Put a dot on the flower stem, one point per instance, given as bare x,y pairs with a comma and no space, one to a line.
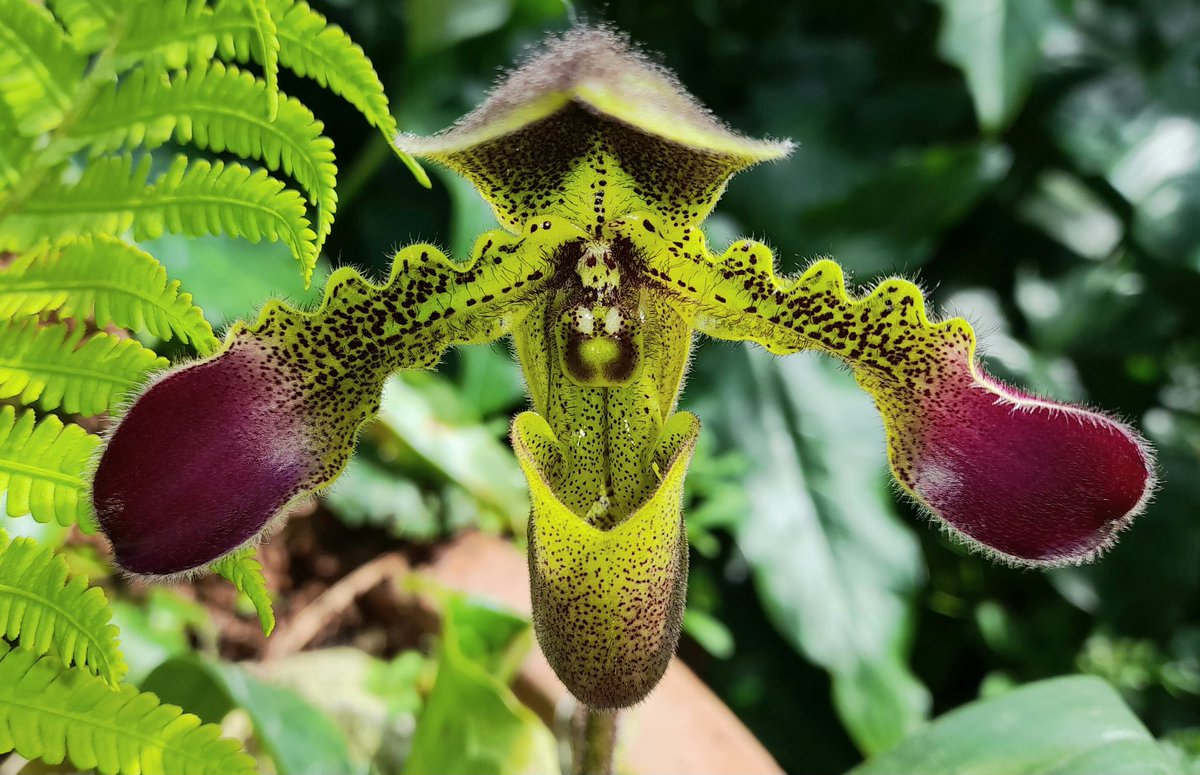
593,741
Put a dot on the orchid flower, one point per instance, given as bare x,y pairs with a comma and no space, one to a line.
601,170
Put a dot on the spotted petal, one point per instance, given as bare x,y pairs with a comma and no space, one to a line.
607,604
212,453
1035,481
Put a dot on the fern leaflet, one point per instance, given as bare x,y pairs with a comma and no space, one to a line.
57,367
222,109
178,32
39,71
245,572
41,467
109,280
313,48
194,199
175,32
52,712
15,149
51,613
88,21
266,38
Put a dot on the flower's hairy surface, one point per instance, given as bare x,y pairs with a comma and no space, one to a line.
207,458
590,129
601,169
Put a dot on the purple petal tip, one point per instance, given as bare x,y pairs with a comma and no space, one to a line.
1036,481
203,461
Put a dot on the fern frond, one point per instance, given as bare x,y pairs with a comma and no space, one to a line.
172,33
266,38
100,201
51,613
41,467
221,109
39,70
109,280
194,199
15,149
313,48
245,572
48,364
52,712
87,21
178,32
201,197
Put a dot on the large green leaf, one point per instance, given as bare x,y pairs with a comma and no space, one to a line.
472,722
834,567
160,627
299,738
426,417
374,702
1065,726
368,493
1122,126
893,219
997,44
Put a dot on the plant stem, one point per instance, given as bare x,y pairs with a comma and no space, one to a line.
594,738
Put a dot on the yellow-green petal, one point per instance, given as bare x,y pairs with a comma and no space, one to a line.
608,604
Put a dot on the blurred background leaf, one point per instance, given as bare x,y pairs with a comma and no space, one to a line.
472,722
1068,726
297,737
835,568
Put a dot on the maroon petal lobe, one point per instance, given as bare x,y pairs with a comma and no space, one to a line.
202,462
1035,481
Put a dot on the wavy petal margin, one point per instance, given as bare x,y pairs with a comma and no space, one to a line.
1034,481
213,452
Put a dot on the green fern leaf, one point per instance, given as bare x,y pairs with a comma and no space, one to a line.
41,468
245,572
15,149
313,48
108,280
88,21
57,367
51,613
221,109
266,38
172,33
178,32
104,199
54,713
194,199
200,198
39,70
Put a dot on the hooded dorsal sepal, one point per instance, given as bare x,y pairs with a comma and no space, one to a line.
590,129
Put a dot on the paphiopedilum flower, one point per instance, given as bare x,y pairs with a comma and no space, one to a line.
601,168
